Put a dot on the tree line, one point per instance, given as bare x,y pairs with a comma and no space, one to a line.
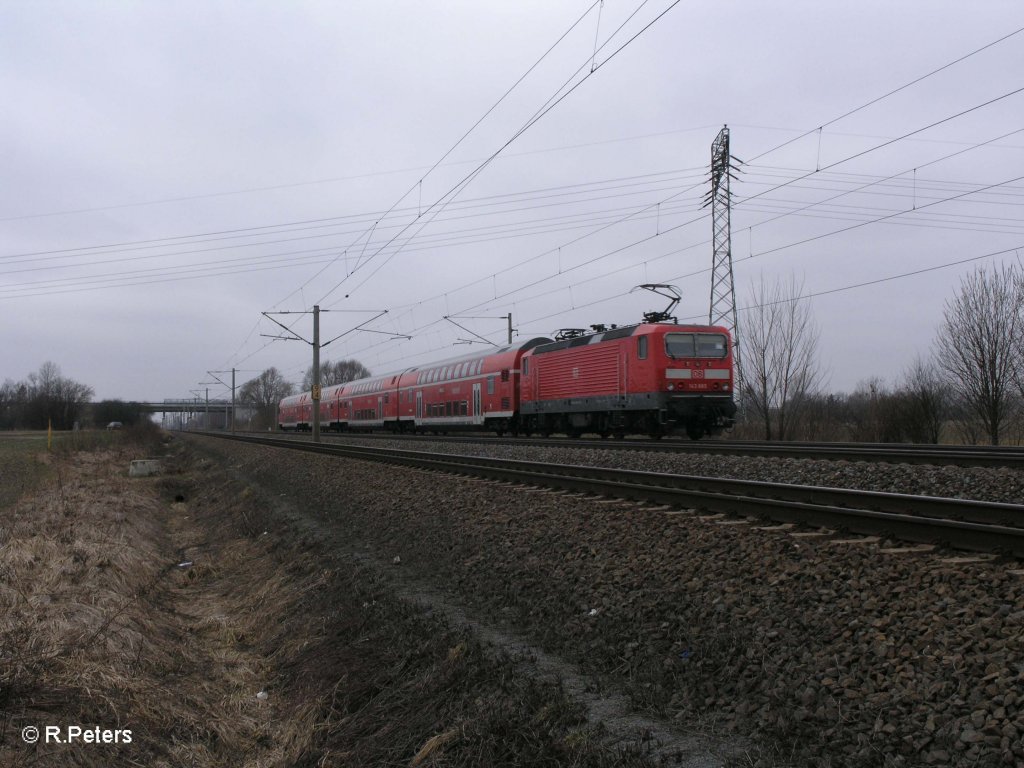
969,387
42,398
46,397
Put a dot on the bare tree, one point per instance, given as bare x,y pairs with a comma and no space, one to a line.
780,370
979,345
264,393
50,398
927,402
12,401
867,411
340,372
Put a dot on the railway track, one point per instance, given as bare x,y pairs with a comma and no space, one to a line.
959,523
891,453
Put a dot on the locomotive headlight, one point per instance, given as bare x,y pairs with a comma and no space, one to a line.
725,386
671,387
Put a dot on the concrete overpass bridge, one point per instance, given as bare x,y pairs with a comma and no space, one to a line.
196,413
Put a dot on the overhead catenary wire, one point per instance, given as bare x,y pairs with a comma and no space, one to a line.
892,92
462,236
552,103
476,124
368,217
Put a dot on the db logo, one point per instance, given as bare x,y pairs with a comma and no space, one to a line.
698,373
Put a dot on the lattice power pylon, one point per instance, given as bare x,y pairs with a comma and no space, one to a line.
723,293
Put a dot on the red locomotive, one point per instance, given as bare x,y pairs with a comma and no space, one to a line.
656,377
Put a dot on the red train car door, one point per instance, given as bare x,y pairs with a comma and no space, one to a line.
478,417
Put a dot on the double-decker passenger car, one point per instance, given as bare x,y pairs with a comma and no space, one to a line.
476,391
296,412
656,378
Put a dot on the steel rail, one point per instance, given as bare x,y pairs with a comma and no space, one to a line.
959,523
892,453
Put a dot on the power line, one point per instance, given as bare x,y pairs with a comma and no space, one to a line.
552,103
872,221
892,141
903,87
461,236
369,216
463,137
901,173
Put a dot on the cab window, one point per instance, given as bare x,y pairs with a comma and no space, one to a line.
713,345
680,345
641,347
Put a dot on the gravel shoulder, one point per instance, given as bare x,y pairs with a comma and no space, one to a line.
811,651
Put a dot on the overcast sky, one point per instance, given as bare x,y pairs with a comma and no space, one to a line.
172,170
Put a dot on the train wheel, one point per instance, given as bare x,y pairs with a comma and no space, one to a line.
694,432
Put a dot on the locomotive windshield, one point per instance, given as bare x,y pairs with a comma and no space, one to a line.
696,345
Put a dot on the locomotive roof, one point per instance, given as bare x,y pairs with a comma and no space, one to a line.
618,333
590,338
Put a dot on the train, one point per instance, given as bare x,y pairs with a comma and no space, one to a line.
656,377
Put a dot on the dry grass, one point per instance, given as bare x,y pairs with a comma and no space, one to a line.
101,624
23,465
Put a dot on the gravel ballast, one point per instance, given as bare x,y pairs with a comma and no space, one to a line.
820,651
981,483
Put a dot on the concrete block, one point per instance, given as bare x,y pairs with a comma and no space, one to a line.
144,468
